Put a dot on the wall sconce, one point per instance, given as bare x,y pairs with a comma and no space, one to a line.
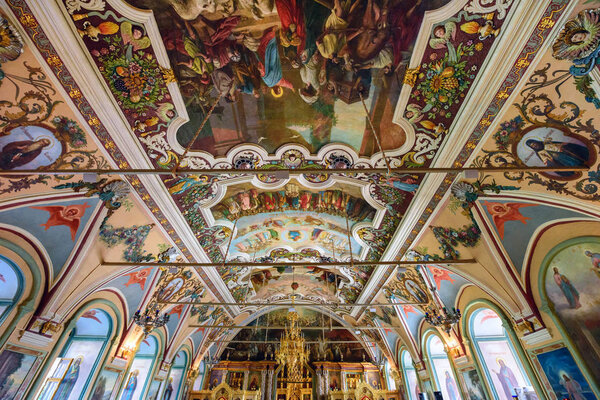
127,351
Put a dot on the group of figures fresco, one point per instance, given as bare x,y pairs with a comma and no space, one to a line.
336,202
284,72
571,284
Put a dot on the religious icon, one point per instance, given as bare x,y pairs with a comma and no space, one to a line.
131,386
68,382
171,289
169,390
549,146
595,259
571,294
507,379
451,387
29,147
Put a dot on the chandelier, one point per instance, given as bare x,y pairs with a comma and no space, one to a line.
150,319
444,319
292,352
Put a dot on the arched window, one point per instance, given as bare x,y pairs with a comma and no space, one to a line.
391,385
176,376
71,372
140,372
200,378
410,376
496,354
445,381
11,287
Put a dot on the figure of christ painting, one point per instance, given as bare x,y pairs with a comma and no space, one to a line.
289,71
564,375
571,284
474,385
15,372
551,147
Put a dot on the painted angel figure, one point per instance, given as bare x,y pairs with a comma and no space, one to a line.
443,36
579,42
134,36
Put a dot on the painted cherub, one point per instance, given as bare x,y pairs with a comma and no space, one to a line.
443,36
133,35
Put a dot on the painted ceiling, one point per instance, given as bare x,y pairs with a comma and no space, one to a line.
272,85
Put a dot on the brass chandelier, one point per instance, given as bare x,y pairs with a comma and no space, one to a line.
292,351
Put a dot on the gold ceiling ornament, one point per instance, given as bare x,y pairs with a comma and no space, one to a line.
410,286
292,351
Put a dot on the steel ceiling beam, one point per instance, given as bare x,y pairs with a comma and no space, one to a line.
284,264
321,328
340,305
284,172
278,342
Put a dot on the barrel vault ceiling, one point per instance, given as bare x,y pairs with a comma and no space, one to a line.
137,79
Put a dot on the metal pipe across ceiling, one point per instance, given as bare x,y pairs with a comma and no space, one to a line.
283,173
284,264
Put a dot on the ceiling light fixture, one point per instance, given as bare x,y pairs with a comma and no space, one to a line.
150,319
443,318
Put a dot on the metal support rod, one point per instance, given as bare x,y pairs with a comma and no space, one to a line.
283,171
285,264
278,342
340,305
320,328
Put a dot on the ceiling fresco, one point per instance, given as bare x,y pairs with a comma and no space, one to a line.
278,85
234,69
281,72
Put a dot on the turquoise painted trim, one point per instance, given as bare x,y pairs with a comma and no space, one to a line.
74,338
20,281
116,328
549,308
476,340
26,305
179,391
513,341
432,372
151,370
404,369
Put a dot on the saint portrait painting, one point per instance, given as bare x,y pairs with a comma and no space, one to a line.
29,147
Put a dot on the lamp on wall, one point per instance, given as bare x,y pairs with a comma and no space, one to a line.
150,319
443,318
127,351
